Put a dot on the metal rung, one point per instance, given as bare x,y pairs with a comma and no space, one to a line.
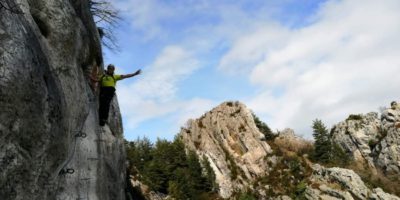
67,171
80,134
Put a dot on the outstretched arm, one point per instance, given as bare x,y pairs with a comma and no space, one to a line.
131,75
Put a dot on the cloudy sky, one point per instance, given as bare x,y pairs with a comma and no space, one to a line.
290,61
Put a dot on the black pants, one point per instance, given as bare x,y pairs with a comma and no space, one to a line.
106,95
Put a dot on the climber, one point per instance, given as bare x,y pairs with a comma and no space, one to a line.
107,90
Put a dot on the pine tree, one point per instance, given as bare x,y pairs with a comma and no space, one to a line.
323,145
264,128
210,175
165,167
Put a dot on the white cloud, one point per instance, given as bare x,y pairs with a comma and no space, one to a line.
251,48
160,79
153,94
193,109
145,16
345,62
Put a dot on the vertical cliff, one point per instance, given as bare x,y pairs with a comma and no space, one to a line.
51,146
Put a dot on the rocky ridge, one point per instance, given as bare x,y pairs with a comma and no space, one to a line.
243,160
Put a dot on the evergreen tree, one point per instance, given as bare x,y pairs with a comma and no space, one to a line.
155,177
198,181
209,173
138,154
327,151
166,168
323,146
264,128
144,148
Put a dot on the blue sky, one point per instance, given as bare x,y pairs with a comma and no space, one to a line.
290,61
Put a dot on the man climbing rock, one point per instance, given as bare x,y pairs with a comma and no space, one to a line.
107,90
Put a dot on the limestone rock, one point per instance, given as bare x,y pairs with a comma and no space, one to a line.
371,140
355,134
339,183
142,191
379,194
387,150
48,112
283,197
228,137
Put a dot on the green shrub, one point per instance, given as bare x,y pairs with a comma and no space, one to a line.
300,189
247,196
372,143
354,117
263,128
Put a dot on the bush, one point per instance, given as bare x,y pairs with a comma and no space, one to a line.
300,147
247,196
379,179
300,189
354,117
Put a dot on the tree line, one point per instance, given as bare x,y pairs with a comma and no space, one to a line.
166,167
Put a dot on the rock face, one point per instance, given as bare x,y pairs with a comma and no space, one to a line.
50,144
228,137
355,134
387,150
371,140
337,183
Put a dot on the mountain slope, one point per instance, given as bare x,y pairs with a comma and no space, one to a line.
279,168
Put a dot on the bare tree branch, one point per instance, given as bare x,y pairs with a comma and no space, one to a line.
106,18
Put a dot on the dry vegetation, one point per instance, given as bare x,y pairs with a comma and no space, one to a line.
374,180
299,146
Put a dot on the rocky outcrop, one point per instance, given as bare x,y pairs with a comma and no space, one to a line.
142,191
51,146
337,183
355,135
386,152
228,137
371,140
